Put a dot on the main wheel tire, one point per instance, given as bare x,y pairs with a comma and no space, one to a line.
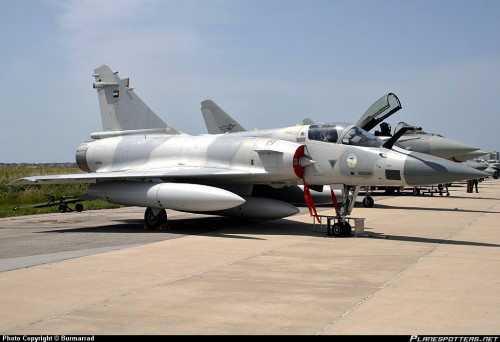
79,207
63,207
153,221
368,202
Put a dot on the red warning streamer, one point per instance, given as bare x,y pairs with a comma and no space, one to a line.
335,203
310,201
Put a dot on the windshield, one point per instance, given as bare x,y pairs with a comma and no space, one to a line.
345,133
326,132
410,131
359,137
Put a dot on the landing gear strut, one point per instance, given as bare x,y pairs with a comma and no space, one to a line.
155,219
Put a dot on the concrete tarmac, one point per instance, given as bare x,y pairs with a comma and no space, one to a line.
99,272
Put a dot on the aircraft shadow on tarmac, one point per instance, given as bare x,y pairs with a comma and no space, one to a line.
479,197
228,228
384,206
213,226
441,241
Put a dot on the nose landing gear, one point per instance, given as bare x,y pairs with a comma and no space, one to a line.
339,229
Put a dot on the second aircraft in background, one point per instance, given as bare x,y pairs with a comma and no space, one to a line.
410,138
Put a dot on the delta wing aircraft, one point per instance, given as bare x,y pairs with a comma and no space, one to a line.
140,160
412,138
491,167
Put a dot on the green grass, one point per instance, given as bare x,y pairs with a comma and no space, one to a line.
24,196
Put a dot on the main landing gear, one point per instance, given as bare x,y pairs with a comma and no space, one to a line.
155,218
368,202
64,207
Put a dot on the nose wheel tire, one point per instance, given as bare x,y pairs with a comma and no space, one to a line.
341,229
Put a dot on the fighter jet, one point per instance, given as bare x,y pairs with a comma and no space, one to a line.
468,156
432,143
413,139
492,167
140,160
477,164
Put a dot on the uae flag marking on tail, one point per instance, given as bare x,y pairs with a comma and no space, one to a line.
116,93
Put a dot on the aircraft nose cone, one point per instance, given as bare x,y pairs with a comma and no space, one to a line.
469,156
423,169
447,148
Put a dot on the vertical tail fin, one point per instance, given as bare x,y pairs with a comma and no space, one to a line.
121,109
217,120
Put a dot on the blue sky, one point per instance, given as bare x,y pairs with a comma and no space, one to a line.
269,63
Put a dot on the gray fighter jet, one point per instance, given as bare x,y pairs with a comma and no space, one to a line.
469,156
491,167
413,139
140,160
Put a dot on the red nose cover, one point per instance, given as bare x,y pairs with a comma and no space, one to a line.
297,168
